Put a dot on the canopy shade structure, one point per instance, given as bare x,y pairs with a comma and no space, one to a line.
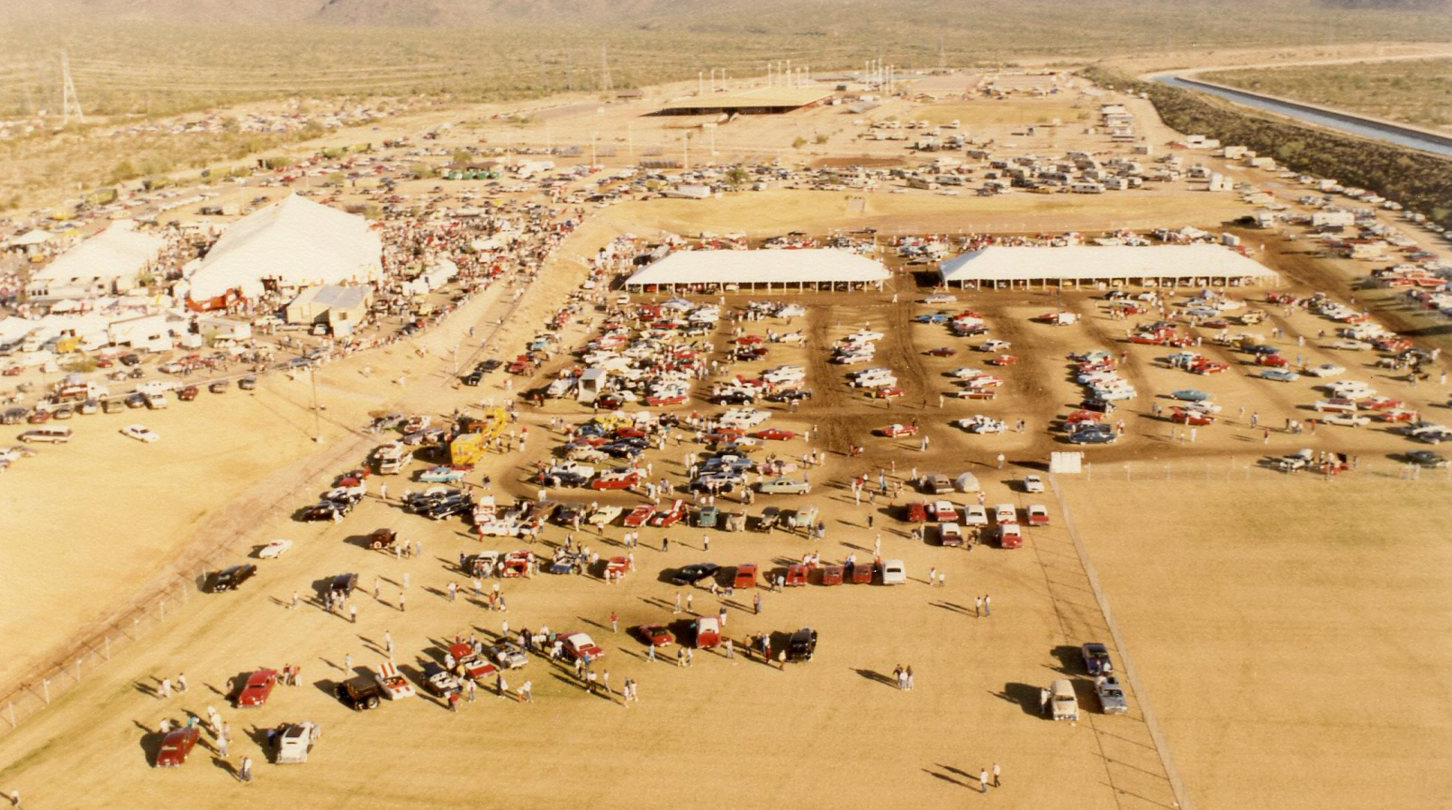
995,265
293,243
760,100
824,266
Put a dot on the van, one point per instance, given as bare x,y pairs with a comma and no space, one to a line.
54,435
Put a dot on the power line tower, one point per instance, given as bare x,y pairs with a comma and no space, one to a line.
70,102
942,55
605,84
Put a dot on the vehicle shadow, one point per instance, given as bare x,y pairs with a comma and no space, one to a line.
150,742
1069,658
1025,695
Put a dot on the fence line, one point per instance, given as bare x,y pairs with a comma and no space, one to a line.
1239,470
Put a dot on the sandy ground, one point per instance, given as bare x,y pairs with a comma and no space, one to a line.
1221,594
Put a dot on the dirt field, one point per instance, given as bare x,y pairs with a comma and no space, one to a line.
1291,632
1244,624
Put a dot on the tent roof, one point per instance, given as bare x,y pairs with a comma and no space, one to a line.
116,252
760,266
996,263
757,97
295,240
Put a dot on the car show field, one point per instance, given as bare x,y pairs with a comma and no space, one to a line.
824,542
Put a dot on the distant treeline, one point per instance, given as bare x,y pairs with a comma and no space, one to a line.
1419,181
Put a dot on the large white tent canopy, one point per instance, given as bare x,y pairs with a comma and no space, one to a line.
1160,263
295,242
119,252
753,267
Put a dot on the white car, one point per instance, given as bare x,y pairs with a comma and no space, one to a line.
893,572
1033,483
975,515
274,549
995,346
940,298
1350,345
1325,370
1005,513
1345,419
140,433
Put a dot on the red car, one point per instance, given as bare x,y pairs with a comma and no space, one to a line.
1038,515
832,575
1083,418
656,635
580,645
639,515
672,399
472,665
941,351
916,512
175,747
862,574
1273,360
1185,417
257,688
774,433
944,512
895,431
616,480
891,392
797,574
631,433
1004,360
670,517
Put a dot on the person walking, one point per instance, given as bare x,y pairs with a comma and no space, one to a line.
222,746
293,604
983,780
650,652
691,603
907,677
987,605
756,604
730,649
614,622
677,608
405,580
181,683
453,591
383,492
347,663
352,614
996,783
527,691
244,772
977,607
1043,702
402,607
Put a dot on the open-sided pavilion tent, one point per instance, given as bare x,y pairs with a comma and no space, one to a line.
757,101
769,270
1001,267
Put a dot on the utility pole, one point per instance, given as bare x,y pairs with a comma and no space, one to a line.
70,102
317,416
605,84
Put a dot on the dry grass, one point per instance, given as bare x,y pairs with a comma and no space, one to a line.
1417,92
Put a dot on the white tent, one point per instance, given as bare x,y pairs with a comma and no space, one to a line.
995,265
113,258
295,243
783,268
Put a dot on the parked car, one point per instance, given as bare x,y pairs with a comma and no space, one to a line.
802,645
656,635
894,572
1063,704
1038,514
975,515
1096,658
1111,695
691,574
784,486
256,689
176,746
1427,458
706,631
140,433
508,655
230,578
359,693
274,549
1033,483
578,646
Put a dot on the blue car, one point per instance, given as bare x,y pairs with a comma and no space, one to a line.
1190,395
1092,437
1279,375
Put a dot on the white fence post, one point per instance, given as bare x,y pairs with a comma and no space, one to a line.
45,690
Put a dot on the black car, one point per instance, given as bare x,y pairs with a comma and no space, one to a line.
247,383
489,365
568,513
1095,404
327,509
359,693
791,395
802,645
692,574
1427,458
228,579
218,387
566,479
448,507
717,482
473,378
13,416
343,584
734,398
130,359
